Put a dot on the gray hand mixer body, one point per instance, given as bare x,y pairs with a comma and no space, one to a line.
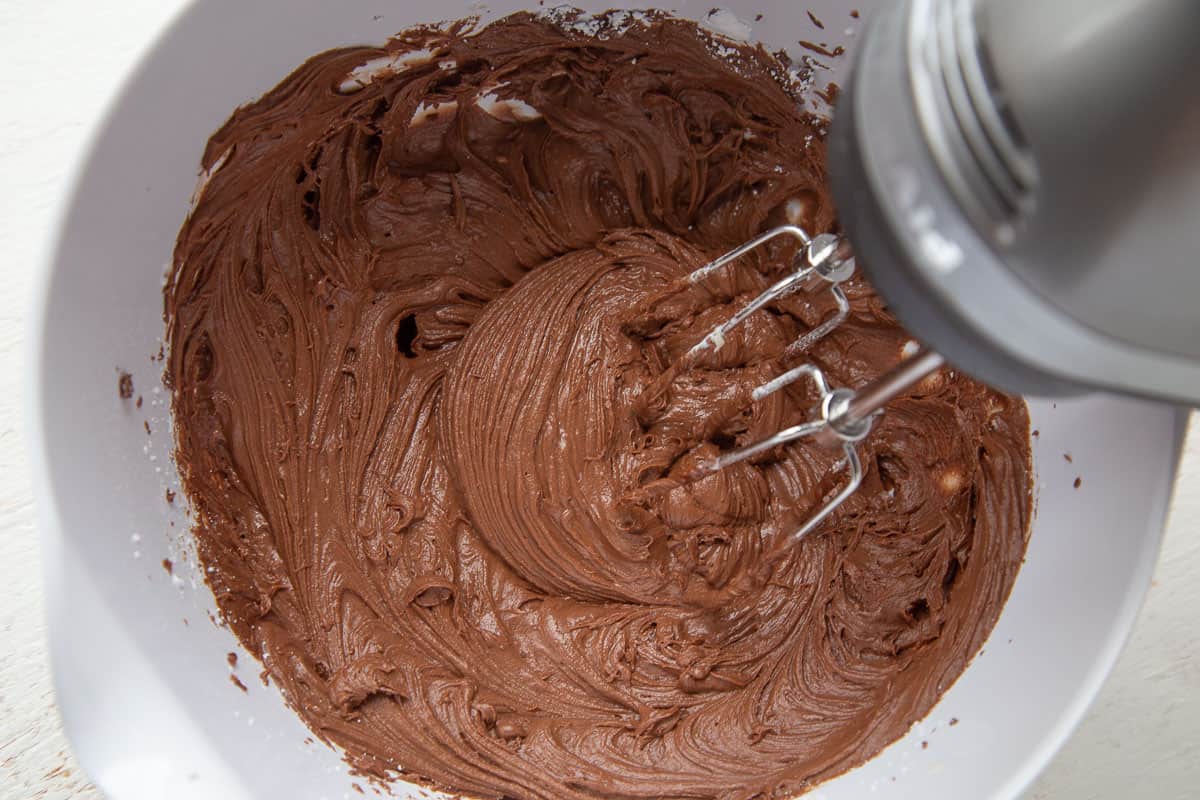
1021,180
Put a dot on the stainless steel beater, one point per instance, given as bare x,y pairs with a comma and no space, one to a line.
843,416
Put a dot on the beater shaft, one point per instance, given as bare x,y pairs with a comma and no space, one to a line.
848,414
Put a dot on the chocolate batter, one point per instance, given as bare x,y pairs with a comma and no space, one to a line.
415,318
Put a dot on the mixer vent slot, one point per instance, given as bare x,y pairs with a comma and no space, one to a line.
970,130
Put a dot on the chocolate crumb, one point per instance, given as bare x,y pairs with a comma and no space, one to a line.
168,566
125,386
830,93
234,680
232,659
138,404
146,425
821,48
1067,457
170,496
924,745
1037,433
1078,482
816,21
357,788
854,13
758,17
953,721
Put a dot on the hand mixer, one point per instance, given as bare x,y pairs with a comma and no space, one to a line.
1025,177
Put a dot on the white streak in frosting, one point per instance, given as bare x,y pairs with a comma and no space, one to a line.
393,64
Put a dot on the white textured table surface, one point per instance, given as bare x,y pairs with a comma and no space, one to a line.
59,62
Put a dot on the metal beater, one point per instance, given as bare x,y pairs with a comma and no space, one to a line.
843,417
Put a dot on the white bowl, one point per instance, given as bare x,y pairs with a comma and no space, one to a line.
147,699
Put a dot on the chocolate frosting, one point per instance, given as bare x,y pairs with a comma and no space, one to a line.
419,320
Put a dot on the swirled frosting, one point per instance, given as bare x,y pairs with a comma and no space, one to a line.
418,321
